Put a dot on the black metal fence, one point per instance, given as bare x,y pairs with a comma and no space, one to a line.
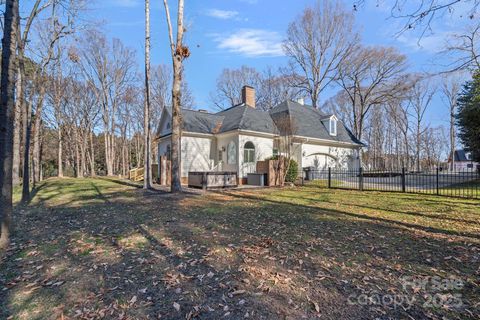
465,184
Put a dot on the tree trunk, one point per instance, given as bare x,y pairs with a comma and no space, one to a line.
60,153
92,155
7,115
37,128
178,52
147,184
78,168
17,132
452,137
176,127
27,119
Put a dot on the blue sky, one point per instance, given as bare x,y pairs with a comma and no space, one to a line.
230,33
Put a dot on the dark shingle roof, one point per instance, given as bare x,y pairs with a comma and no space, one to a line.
312,123
200,122
246,118
308,122
461,155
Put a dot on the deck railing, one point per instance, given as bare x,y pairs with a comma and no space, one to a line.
136,174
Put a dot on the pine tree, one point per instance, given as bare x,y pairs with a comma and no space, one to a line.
468,116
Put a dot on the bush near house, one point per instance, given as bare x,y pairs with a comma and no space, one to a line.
292,172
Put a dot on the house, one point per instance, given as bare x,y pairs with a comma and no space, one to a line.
236,138
463,161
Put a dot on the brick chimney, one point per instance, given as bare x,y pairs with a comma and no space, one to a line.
248,96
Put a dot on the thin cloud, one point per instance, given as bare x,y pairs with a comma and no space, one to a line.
221,14
252,43
432,44
126,3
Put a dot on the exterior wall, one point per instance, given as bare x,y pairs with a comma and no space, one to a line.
314,155
162,147
263,150
197,153
464,165
222,144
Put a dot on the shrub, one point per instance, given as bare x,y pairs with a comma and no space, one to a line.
292,172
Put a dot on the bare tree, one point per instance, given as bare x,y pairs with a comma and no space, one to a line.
399,112
179,52
275,88
56,31
287,128
228,87
450,88
421,14
435,142
420,97
9,45
465,48
161,91
109,69
272,87
371,77
318,42
147,175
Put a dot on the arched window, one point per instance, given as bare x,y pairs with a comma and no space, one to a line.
333,126
249,152
168,153
232,153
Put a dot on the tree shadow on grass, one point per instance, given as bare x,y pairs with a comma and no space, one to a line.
107,262
386,208
334,212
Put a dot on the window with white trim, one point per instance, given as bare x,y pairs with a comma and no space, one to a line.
333,126
249,152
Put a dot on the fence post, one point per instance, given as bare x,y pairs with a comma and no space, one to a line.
329,177
438,191
403,180
204,181
360,179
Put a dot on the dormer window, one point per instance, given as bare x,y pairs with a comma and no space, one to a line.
333,126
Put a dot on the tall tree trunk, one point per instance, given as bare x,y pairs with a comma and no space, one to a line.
60,153
17,132
27,120
452,137
178,52
7,115
147,176
37,128
78,168
176,129
92,155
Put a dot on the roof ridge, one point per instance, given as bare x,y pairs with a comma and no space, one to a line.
229,108
240,124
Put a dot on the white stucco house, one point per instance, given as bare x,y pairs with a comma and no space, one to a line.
463,161
236,138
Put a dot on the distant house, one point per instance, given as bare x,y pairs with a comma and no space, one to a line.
236,138
463,161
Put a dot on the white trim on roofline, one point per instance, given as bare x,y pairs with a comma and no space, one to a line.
328,142
269,135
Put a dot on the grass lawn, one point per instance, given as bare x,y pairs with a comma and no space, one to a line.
100,249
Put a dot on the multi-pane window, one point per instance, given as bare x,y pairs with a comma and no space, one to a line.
249,152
